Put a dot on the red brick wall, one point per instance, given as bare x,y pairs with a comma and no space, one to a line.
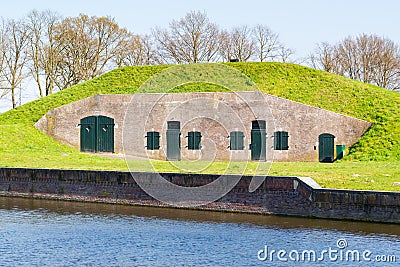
277,195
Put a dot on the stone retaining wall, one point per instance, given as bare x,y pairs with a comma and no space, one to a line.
277,195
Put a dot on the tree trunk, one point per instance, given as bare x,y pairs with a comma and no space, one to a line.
14,104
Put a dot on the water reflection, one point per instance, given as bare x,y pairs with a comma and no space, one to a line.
47,207
56,233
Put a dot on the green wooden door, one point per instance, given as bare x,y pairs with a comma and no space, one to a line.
326,147
258,147
258,140
105,134
173,140
173,144
88,134
97,134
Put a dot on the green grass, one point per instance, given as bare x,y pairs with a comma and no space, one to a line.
341,95
24,146
344,175
21,145
119,81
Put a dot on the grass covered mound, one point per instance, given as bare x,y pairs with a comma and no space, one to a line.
294,82
21,145
119,81
341,95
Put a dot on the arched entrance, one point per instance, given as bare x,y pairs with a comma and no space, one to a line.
97,134
326,147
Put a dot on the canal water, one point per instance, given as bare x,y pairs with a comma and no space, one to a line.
56,233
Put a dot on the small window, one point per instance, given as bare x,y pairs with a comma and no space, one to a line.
194,141
281,140
153,140
236,140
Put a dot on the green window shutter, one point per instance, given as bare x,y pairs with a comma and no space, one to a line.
156,140
194,140
149,137
284,140
277,141
236,140
281,140
190,141
153,140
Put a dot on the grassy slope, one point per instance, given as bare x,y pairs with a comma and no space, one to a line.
339,94
119,81
24,146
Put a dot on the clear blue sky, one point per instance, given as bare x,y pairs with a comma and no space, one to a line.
301,24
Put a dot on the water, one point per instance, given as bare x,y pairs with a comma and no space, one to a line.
55,233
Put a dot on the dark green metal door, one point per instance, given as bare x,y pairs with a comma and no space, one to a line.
173,140
88,134
105,134
326,147
258,140
97,134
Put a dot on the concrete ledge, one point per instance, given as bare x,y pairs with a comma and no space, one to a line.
293,196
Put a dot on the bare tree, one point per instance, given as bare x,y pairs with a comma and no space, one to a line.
14,52
237,44
225,46
368,51
68,39
267,43
367,58
243,46
324,58
349,59
87,45
42,54
109,37
136,50
3,89
386,70
192,39
35,25
284,54
51,53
